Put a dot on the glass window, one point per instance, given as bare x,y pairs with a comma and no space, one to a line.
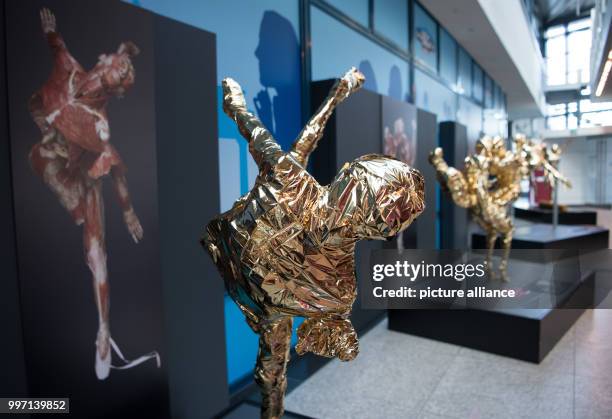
425,38
594,119
385,72
554,31
587,106
579,24
477,88
572,121
464,79
555,47
488,92
355,9
578,56
568,53
558,109
556,122
448,57
555,67
391,21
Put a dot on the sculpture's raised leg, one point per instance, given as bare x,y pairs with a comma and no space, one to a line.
271,368
313,131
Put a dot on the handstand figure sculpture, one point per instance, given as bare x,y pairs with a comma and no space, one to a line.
286,248
490,182
75,154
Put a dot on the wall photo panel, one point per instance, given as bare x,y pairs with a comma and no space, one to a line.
95,139
399,134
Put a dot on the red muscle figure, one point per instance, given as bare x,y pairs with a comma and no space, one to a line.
75,154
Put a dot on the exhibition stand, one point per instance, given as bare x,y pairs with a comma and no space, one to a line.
546,236
454,228
568,215
527,334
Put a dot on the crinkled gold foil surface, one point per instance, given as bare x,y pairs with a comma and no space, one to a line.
490,182
286,248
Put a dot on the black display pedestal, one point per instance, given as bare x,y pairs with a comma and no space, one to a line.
426,141
545,236
570,216
453,231
525,334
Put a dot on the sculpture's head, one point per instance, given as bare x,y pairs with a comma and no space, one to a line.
377,196
116,70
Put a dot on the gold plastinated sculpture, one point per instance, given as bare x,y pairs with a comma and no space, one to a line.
287,247
490,182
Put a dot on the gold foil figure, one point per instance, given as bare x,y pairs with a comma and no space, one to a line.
286,248
490,182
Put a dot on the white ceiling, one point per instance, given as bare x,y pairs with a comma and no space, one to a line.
466,21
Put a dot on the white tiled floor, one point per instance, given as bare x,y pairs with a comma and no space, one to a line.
403,376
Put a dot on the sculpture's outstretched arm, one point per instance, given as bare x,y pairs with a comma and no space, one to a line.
307,140
262,145
553,173
63,60
452,179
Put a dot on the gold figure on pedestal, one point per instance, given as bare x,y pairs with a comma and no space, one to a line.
286,248
490,182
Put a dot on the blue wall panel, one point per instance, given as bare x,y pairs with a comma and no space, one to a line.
435,97
336,48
